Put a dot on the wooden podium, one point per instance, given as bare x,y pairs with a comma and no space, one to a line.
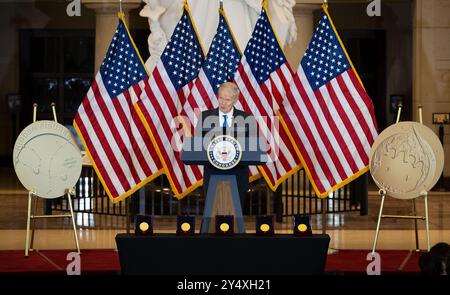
223,195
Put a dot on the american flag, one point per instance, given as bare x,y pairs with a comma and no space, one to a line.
262,77
328,113
109,126
162,99
220,66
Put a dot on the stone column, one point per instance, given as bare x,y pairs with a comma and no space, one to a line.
106,22
304,19
431,64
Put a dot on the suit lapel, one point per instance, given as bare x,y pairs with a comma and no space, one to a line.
215,113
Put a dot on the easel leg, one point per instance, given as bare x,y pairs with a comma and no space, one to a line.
415,226
383,194
426,220
73,222
27,237
33,225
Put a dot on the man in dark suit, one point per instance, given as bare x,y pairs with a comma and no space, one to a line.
226,119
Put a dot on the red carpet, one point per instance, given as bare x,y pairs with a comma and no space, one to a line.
106,261
101,261
392,261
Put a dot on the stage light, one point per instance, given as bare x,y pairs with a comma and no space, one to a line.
224,225
143,225
264,225
302,225
185,225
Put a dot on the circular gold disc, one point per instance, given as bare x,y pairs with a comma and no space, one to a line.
264,227
185,226
302,227
144,226
224,227
406,160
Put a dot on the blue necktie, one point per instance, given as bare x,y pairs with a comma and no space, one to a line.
225,121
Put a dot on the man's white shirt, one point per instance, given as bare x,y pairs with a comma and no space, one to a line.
229,117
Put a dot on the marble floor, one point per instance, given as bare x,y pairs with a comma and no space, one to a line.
347,230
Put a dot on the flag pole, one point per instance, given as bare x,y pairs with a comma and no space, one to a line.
120,7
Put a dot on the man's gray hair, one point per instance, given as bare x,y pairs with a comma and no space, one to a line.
230,86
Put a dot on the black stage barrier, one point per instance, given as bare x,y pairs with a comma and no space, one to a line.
246,254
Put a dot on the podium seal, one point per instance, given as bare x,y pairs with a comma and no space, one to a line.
224,152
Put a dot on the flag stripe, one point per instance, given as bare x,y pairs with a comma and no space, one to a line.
137,138
108,142
191,173
350,123
111,126
258,78
134,91
184,174
97,150
261,108
356,111
249,91
362,100
163,129
313,161
220,65
99,164
341,145
334,113
309,129
321,141
325,132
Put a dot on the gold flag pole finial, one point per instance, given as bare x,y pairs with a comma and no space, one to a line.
325,3
121,15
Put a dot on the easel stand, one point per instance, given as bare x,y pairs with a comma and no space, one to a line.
382,193
415,217
68,193
33,216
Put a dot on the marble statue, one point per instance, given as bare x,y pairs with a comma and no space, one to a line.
157,39
242,15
